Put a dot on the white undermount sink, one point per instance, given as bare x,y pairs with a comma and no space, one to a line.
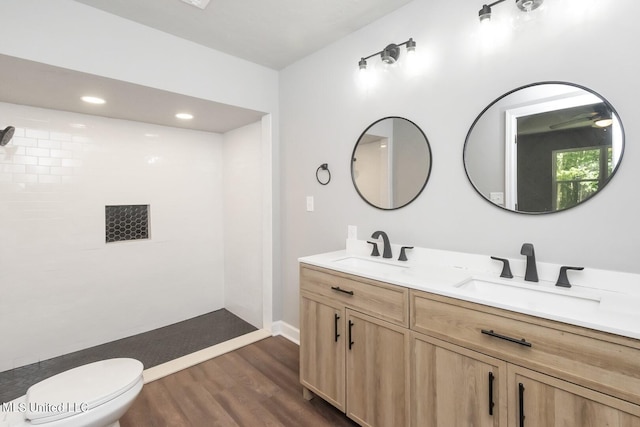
369,265
531,297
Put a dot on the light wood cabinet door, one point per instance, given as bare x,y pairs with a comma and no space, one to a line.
377,372
455,387
592,359
540,400
322,349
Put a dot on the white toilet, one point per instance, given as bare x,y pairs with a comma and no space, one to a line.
93,395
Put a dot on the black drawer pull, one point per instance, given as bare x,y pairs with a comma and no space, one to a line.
521,403
337,288
506,338
351,343
335,326
491,404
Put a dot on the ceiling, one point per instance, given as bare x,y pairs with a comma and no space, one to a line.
46,86
272,33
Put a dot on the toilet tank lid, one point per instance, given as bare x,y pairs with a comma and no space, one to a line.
81,389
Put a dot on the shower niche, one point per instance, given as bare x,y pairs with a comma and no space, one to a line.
126,222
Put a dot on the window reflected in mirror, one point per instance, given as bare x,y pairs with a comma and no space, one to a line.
544,148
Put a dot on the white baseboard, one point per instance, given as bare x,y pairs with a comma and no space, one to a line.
184,362
286,330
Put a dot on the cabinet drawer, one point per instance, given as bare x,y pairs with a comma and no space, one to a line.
384,301
597,360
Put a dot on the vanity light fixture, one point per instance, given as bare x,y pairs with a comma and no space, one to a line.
389,54
524,5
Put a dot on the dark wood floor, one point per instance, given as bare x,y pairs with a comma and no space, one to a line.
257,385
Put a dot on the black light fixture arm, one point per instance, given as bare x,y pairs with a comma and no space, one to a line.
524,5
391,50
364,58
409,43
494,3
485,12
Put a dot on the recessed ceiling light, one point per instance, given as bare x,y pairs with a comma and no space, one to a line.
93,100
197,3
184,116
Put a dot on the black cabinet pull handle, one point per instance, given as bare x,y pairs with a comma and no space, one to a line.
337,288
351,343
506,338
521,403
491,404
335,326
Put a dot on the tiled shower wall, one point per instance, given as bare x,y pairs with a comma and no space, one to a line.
62,288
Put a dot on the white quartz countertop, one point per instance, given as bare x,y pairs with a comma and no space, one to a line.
468,277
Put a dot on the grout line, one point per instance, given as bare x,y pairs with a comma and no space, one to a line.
184,362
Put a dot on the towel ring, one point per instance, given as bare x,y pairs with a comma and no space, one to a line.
323,167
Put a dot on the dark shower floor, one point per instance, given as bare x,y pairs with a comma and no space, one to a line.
151,348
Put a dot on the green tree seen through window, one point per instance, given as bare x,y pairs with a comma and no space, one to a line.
580,173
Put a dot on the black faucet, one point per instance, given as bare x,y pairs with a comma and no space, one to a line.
506,268
386,253
532,272
563,280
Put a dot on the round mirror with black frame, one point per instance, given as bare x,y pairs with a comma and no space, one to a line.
544,147
391,163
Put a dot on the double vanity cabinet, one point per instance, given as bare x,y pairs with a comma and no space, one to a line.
388,355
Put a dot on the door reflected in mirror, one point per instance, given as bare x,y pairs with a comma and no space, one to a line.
544,148
391,163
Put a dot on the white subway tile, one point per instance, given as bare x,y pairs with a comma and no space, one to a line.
37,134
61,153
24,142
58,136
47,143
48,161
40,152
25,178
10,169
25,160
61,171
39,170
73,146
10,153
48,179
76,163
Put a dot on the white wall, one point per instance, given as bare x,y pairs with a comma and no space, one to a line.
324,109
63,288
72,35
243,226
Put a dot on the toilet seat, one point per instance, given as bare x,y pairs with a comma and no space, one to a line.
80,389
